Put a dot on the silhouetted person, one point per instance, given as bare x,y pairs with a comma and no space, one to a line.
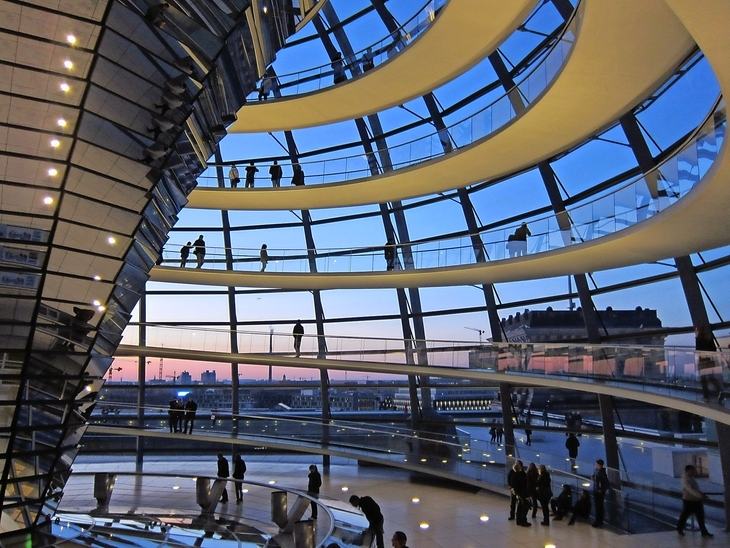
251,171
298,333
399,540
264,257
532,476
528,431
562,504
313,484
275,172
233,176
709,370
367,60
239,470
338,69
518,487
264,88
191,407
544,493
199,251
298,176
519,240
600,486
500,433
582,508
372,512
572,444
390,253
172,415
223,473
692,499
184,254
78,327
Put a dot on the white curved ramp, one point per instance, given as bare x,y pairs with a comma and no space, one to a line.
625,49
464,33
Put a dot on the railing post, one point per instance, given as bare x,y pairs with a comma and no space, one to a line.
103,487
304,534
279,508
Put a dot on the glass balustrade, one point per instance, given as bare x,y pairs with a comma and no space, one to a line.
320,77
667,371
530,84
461,456
624,205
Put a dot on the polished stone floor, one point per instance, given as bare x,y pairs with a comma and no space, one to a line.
433,516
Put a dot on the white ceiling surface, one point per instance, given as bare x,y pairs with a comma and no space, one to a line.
465,32
624,50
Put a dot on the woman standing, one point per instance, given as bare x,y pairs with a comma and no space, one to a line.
544,493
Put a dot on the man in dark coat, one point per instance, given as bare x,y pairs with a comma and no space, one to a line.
372,512
223,473
600,486
518,488
239,470
315,482
184,254
190,409
298,333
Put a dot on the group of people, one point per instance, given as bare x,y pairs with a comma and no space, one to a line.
496,433
181,416
532,486
198,248
275,173
239,470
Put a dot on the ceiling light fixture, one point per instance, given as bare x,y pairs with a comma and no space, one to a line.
53,172
65,87
68,64
48,200
71,39
97,278
55,143
112,240
61,122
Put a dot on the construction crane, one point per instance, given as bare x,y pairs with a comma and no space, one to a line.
112,370
159,375
480,331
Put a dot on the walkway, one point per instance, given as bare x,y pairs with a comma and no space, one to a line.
624,50
464,33
651,377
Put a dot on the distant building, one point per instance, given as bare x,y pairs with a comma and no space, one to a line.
568,326
207,377
186,378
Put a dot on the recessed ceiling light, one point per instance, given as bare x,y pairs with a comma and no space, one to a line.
55,143
101,308
97,278
96,303
112,240
61,122
68,64
415,500
483,518
424,525
71,39
53,172
272,482
48,200
65,87
176,487
345,488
